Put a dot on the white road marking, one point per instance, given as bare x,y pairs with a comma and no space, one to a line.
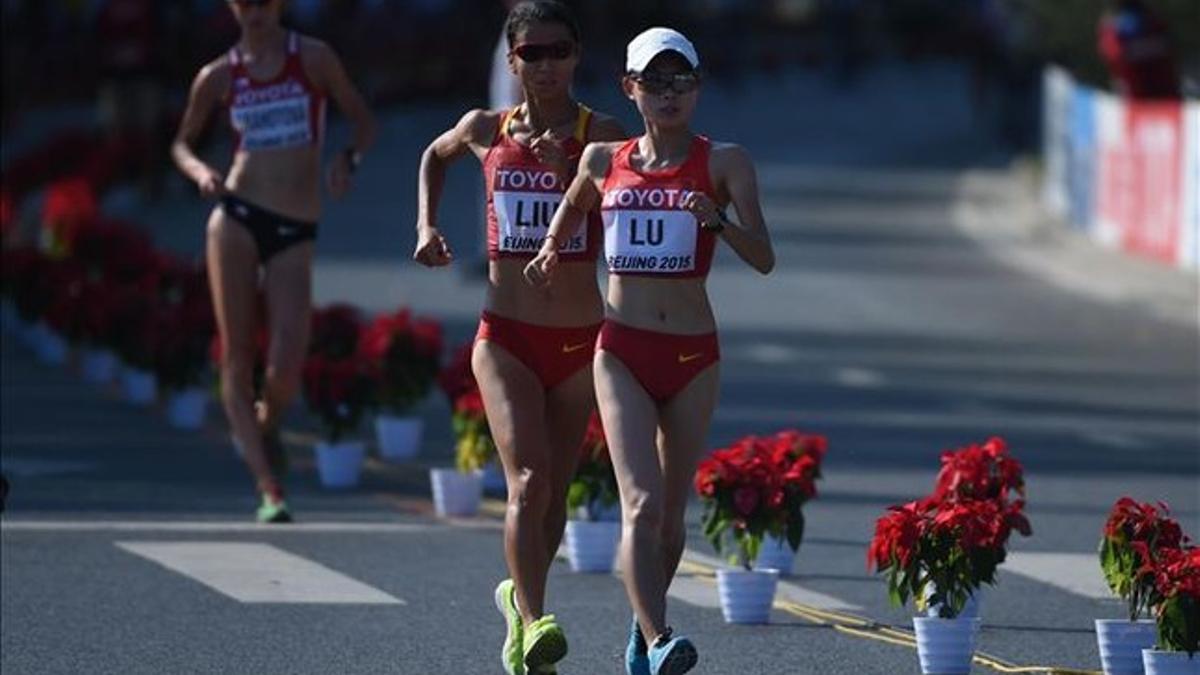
32,525
859,378
259,573
33,468
1077,573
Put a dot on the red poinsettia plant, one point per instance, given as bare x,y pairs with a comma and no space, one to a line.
758,486
404,355
939,550
338,386
1174,594
592,492
474,446
1134,527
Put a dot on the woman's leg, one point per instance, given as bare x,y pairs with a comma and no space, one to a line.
682,441
514,399
233,278
630,419
288,290
569,406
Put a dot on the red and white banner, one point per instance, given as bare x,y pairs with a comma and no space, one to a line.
1189,249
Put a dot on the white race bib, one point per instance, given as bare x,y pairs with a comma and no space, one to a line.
274,124
652,242
524,218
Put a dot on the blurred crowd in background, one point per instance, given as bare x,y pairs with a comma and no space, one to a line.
135,58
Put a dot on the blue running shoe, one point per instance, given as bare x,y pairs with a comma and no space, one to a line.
636,661
671,655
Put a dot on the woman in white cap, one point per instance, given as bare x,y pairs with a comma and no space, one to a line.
662,197
273,84
533,350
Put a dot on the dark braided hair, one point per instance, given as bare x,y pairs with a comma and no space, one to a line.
539,11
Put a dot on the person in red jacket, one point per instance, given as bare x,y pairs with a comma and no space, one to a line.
663,197
1136,46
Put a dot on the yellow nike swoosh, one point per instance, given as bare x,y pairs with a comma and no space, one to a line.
690,357
567,349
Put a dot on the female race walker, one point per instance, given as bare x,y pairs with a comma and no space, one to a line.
533,351
662,198
274,83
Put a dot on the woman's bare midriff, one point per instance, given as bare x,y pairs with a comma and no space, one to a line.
573,299
287,182
677,306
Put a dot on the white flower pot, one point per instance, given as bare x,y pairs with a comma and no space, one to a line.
493,478
592,546
454,493
340,464
969,611
1121,643
1158,662
139,386
775,554
946,646
186,409
99,366
51,348
399,437
747,596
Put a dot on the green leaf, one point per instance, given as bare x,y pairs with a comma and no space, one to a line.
795,530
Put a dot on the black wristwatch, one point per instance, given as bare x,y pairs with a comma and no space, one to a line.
717,227
353,158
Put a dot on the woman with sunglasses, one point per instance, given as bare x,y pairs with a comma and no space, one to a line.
533,349
274,84
662,197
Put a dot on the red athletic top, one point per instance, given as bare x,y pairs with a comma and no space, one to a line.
646,230
523,194
286,111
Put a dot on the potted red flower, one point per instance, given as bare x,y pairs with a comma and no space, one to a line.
1174,599
594,529
404,355
338,388
939,550
457,492
752,490
1133,531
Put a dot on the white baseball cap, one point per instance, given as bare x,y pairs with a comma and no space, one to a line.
654,41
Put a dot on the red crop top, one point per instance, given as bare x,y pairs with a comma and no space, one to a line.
523,194
646,230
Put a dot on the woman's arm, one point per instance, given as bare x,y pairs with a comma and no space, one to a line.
208,88
582,196
474,129
330,75
733,170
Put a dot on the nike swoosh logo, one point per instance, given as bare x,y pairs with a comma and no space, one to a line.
690,357
567,349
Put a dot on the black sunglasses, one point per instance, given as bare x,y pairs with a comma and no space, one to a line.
531,53
680,83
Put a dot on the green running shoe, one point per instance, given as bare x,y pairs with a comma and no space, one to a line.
506,603
545,644
273,510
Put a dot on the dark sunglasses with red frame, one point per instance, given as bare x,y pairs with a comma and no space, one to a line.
531,53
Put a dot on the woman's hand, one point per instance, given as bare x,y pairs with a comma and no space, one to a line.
432,249
548,150
540,270
211,183
704,209
337,179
